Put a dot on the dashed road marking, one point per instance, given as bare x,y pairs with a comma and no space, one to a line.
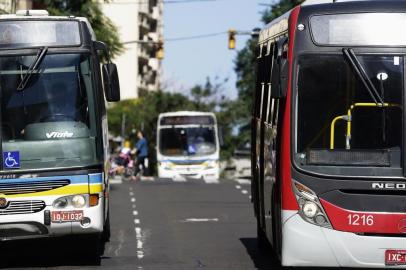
132,199
238,187
243,181
244,191
135,213
115,180
136,221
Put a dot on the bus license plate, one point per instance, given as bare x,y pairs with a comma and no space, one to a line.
395,257
66,216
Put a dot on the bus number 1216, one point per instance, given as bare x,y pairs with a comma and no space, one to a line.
360,220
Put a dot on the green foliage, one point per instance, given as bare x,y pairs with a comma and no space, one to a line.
103,27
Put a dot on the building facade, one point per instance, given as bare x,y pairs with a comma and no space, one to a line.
140,26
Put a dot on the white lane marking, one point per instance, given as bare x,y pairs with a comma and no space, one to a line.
132,199
140,254
115,180
244,191
135,213
131,193
140,244
250,197
133,205
244,181
138,232
136,221
211,181
201,220
238,187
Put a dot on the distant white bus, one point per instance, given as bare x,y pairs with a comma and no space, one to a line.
188,145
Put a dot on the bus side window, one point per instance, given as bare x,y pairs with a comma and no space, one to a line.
258,88
268,68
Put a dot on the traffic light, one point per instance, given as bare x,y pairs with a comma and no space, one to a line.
231,39
159,50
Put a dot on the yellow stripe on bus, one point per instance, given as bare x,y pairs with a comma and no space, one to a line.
95,188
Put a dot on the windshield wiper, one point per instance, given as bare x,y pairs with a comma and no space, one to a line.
34,65
360,71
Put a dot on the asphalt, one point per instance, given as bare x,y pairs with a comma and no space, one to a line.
160,224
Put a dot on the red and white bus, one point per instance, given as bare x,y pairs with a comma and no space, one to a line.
329,133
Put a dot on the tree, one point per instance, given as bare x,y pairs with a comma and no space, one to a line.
103,27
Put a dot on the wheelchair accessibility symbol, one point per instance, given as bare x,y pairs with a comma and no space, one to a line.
11,160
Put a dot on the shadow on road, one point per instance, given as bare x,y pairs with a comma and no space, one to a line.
262,259
46,253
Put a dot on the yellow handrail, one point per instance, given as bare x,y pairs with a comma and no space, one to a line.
348,118
332,129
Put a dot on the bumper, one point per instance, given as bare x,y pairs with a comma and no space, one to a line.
25,226
305,244
212,173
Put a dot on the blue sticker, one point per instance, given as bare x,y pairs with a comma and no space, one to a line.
11,160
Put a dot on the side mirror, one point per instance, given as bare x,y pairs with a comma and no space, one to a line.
111,82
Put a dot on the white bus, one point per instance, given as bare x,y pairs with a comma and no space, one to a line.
53,131
188,145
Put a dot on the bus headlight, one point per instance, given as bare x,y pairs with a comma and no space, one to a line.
78,201
310,206
211,164
166,165
61,202
310,209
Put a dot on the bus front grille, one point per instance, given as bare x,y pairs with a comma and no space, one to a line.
31,187
22,207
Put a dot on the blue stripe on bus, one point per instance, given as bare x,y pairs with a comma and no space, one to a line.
95,178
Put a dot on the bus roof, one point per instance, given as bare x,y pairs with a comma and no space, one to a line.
279,26
46,17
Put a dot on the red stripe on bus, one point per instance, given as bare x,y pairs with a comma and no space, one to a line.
364,222
288,198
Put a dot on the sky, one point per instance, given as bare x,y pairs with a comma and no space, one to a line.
190,62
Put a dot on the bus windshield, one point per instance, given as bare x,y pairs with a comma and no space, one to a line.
340,120
187,141
49,122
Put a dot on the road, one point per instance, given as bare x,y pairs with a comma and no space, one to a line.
161,224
